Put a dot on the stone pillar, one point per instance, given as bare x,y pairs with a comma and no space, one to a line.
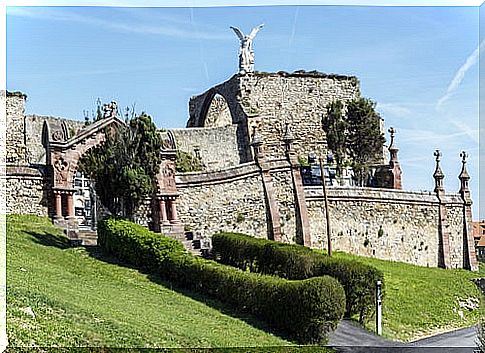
394,162
273,214
163,212
469,255
57,205
70,204
444,259
173,211
301,211
257,145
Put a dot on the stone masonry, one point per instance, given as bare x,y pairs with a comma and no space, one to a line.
240,130
269,100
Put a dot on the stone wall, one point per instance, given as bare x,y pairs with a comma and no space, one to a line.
391,225
15,143
455,221
269,100
26,191
285,199
33,134
24,132
232,201
217,145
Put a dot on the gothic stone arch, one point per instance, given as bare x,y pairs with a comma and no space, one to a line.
217,112
62,157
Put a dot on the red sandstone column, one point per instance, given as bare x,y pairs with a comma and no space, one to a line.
70,205
173,210
163,212
58,205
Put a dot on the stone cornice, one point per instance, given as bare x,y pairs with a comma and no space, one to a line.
86,133
376,194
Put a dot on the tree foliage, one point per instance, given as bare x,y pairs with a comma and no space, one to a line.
335,127
364,138
124,166
186,162
354,134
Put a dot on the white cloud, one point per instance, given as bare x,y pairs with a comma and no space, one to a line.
393,109
177,29
460,74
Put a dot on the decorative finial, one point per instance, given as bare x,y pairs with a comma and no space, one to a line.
464,176
255,137
288,134
246,52
464,179
392,131
438,174
438,155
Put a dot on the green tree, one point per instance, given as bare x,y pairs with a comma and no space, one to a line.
364,140
124,166
335,127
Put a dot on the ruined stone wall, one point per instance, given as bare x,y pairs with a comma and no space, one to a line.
232,201
15,143
275,99
25,191
33,134
24,132
390,225
218,146
269,100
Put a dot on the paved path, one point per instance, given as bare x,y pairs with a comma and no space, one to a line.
349,337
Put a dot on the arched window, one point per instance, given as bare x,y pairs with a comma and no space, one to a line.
218,113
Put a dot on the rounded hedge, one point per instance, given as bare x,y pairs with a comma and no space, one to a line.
304,309
292,261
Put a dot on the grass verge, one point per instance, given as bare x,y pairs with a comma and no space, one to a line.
79,300
421,301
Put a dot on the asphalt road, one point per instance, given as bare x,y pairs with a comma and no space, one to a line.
349,337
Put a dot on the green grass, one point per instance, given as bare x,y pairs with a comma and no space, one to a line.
80,300
420,301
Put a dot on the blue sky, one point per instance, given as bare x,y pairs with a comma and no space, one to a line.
418,63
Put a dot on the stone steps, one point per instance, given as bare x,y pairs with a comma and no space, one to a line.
191,242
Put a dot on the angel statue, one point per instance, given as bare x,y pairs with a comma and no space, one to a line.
246,53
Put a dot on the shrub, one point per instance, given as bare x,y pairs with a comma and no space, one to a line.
292,261
186,162
135,244
304,309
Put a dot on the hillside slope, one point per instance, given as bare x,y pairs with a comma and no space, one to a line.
79,299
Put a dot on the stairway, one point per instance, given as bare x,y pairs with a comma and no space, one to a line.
192,242
83,237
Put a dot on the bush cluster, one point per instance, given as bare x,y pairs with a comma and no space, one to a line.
293,261
303,309
135,244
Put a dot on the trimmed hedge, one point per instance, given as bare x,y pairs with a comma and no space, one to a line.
304,309
293,261
135,244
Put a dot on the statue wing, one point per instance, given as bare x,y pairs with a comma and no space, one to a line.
254,31
238,32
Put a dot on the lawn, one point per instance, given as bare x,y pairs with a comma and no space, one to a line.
421,301
80,299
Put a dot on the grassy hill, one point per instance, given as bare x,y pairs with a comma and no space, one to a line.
81,300
421,301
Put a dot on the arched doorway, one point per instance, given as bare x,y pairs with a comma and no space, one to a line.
63,153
